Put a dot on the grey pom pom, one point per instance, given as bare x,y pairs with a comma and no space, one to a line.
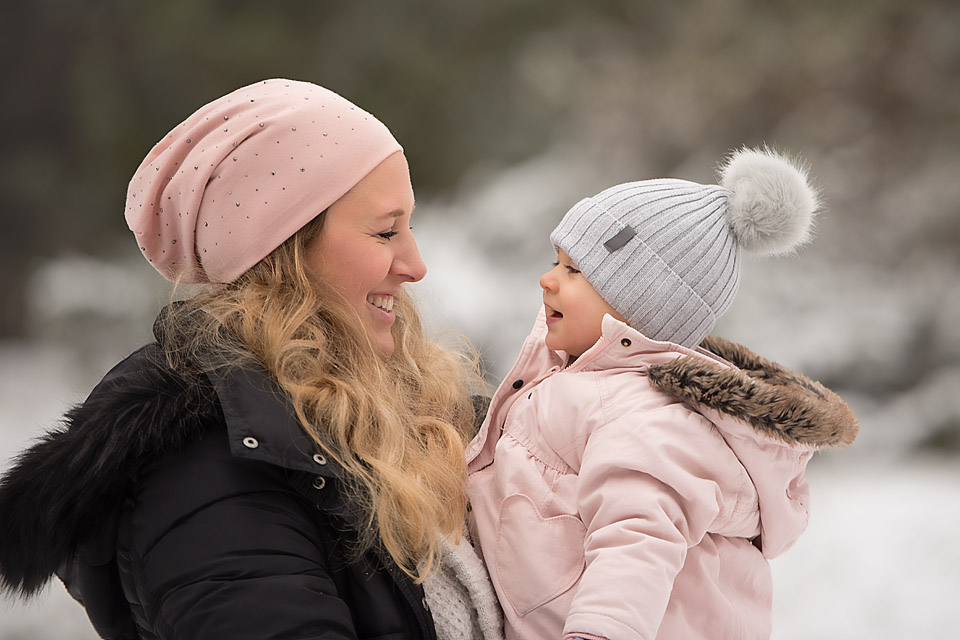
773,205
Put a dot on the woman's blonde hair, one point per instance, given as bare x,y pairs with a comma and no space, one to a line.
396,425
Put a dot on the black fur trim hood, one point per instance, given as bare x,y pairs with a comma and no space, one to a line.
57,493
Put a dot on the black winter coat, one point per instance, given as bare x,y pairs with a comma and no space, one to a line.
176,509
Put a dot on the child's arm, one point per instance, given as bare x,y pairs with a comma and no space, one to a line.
647,492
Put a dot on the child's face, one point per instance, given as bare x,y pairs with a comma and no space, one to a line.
574,308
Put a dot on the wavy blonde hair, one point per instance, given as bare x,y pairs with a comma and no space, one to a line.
396,425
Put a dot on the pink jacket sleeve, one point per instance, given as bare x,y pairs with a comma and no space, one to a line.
650,485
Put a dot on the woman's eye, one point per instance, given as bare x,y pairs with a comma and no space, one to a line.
386,235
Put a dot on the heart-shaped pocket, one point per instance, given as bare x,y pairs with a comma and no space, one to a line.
538,558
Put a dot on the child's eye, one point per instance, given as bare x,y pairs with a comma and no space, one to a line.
386,235
571,269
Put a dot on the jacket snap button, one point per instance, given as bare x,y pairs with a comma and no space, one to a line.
250,443
319,482
517,384
319,458
426,605
626,342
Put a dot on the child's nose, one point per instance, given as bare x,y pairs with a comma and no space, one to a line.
548,280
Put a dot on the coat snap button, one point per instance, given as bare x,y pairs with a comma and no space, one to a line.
517,384
319,458
319,482
626,342
251,443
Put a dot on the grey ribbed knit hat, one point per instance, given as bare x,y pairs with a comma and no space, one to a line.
665,253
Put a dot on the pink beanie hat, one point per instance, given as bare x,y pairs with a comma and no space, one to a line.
244,173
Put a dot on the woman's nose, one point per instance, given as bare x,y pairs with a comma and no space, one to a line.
408,264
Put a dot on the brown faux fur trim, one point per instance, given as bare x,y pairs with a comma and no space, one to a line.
774,400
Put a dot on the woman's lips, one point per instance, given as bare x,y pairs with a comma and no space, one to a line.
383,303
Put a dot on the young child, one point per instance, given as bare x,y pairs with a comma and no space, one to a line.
633,476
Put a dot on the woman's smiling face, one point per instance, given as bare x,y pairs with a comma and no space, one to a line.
366,249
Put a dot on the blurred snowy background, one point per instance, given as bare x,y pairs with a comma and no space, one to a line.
510,112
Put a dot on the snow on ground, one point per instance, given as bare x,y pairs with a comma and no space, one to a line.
879,559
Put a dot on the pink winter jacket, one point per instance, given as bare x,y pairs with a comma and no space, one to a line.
639,492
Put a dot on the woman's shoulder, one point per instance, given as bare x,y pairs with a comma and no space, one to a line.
143,388
138,409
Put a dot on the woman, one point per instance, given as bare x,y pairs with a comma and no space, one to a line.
286,460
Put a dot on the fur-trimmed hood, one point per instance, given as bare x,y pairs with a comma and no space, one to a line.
774,400
757,405
58,493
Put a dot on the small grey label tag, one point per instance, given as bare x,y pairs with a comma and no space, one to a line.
622,238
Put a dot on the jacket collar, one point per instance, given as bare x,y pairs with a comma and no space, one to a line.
622,346
259,418
718,375
261,424
730,379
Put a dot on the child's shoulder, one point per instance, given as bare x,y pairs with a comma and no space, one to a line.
610,393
